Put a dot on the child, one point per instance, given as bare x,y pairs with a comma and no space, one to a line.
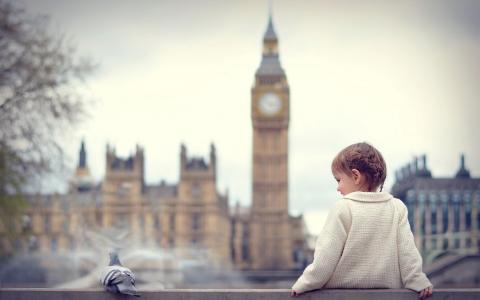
366,241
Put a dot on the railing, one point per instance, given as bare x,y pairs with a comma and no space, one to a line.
235,294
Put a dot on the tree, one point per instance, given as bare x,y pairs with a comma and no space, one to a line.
39,76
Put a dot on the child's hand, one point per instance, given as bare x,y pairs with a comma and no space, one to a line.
425,293
294,294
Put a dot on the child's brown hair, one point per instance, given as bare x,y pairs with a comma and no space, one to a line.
366,159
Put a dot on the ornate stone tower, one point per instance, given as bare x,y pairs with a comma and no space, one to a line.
122,188
198,217
270,228
82,180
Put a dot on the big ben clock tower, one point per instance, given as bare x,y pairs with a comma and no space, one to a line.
270,244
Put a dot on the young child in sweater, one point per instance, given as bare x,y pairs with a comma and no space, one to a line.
366,241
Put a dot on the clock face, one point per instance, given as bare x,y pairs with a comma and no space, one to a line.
270,104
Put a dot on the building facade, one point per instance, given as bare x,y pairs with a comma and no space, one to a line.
443,212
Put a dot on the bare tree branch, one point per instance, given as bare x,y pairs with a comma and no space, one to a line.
38,96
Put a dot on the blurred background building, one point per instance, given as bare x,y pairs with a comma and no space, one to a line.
444,216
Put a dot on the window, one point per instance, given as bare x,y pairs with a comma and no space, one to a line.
48,223
468,243
194,241
172,222
456,212
66,223
245,252
468,216
434,243
421,208
445,244
196,221
410,195
123,190
433,200
457,243
476,200
421,197
142,221
196,191
478,220
297,255
245,242
411,218
156,222
72,243
276,141
467,196
32,243
123,220
232,253
433,220
444,203
53,244
411,208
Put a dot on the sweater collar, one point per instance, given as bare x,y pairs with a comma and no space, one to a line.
368,196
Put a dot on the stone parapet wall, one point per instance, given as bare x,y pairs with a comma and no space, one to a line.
240,294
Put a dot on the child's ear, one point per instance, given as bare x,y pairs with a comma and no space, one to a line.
357,176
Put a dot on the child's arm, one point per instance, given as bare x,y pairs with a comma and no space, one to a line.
409,259
328,250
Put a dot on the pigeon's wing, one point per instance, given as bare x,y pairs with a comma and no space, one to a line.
110,276
119,278
130,274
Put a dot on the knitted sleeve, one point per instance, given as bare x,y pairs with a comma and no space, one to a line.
328,250
409,258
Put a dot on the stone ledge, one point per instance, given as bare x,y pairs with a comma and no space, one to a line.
235,294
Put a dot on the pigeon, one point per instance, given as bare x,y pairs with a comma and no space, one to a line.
116,278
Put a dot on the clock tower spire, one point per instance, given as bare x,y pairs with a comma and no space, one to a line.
270,243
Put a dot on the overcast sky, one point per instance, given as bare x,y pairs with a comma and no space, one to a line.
402,75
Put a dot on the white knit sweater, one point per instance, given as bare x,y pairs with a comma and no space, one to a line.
366,242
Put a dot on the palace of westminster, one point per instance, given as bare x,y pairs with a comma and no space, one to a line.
443,212
191,213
